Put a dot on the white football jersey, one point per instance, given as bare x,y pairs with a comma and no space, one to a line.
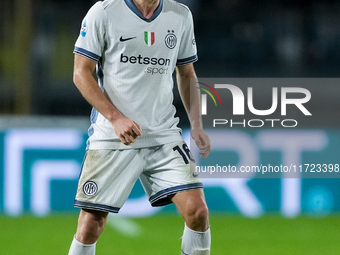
136,58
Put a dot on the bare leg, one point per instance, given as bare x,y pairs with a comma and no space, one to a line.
196,239
193,208
90,226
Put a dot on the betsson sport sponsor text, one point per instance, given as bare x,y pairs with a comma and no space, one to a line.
164,62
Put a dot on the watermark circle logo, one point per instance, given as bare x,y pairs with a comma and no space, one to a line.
171,41
90,188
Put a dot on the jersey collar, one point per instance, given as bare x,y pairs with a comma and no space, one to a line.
133,8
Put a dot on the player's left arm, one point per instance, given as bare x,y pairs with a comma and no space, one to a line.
192,106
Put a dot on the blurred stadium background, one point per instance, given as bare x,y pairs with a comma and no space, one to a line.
44,121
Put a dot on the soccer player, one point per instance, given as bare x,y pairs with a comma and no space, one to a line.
135,46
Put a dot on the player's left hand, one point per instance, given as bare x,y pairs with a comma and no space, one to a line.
202,141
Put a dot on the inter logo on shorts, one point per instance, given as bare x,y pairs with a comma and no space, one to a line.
90,188
171,39
149,38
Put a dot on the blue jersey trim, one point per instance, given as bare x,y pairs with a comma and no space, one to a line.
133,8
161,197
94,115
96,207
91,129
93,118
100,73
184,61
86,53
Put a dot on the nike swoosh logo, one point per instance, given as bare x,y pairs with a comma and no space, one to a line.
126,39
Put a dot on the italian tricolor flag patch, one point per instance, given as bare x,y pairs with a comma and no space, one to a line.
149,38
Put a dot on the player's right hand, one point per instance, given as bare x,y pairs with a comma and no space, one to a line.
202,141
126,129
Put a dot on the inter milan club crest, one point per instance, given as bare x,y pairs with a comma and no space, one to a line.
149,38
90,188
171,39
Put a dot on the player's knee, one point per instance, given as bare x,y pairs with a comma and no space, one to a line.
198,219
89,233
90,227
202,214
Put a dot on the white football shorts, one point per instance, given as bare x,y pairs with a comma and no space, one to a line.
108,176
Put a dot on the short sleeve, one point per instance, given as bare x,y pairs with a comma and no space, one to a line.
187,51
91,40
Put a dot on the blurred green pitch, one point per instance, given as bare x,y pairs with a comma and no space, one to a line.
160,235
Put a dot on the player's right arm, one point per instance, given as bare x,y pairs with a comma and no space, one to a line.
126,129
